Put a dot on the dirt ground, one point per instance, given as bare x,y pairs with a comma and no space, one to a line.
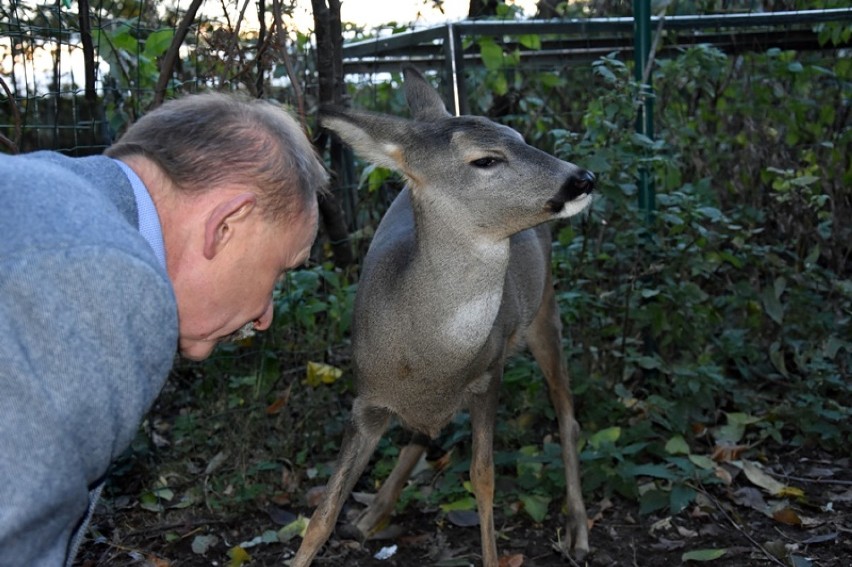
813,528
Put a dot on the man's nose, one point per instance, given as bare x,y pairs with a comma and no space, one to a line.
264,321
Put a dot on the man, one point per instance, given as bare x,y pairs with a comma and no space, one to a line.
174,238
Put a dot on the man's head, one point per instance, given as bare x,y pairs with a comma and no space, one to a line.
234,181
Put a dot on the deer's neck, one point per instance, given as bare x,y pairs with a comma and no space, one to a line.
465,273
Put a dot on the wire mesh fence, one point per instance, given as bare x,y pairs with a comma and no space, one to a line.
75,74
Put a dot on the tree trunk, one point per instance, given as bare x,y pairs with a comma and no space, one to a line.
482,8
329,35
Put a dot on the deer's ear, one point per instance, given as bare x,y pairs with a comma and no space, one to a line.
371,136
423,100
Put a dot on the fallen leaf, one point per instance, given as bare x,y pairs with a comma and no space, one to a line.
724,475
819,472
759,478
698,429
386,531
664,524
295,528
515,560
363,498
799,561
843,496
202,543
280,516
314,495
280,402
443,461
777,548
703,555
686,532
725,452
665,544
463,518
822,538
750,497
791,491
787,516
217,461
319,373
238,556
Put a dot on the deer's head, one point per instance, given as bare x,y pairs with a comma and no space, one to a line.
469,169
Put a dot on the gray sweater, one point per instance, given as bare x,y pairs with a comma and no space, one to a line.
88,334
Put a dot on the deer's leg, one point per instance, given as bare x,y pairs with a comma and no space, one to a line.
545,342
385,500
483,412
366,427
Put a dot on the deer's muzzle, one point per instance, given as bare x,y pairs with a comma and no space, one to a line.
579,184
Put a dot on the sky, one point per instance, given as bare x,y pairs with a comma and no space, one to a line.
367,13
372,13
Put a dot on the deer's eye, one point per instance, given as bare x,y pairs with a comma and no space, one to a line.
485,162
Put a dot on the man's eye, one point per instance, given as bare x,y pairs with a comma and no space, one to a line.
485,162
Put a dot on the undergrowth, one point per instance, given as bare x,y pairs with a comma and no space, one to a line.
720,326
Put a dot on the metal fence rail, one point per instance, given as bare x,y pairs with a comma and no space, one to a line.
578,40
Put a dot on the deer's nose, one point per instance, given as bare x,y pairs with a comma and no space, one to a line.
578,184
582,182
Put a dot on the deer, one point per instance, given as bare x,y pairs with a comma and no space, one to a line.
457,279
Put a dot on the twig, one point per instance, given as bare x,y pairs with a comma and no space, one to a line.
14,145
811,480
281,30
172,53
740,528
194,524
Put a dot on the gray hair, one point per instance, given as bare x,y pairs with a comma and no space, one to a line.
204,141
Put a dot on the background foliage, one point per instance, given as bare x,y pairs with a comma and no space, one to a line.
721,328
718,328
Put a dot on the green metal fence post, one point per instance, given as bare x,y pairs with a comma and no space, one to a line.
645,118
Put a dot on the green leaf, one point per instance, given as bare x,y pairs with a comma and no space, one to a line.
703,555
607,75
776,356
609,436
677,445
295,528
653,500
649,362
702,461
466,503
535,505
122,39
499,84
804,180
158,42
491,53
655,471
530,41
681,496
772,305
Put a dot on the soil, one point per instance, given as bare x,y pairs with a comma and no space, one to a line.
812,529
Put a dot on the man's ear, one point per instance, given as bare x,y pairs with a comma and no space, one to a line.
220,224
